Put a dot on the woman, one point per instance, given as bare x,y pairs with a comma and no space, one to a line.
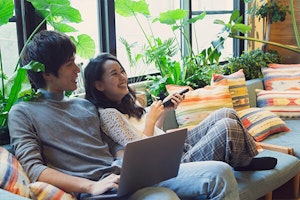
221,136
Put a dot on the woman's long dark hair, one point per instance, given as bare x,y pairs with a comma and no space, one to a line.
94,72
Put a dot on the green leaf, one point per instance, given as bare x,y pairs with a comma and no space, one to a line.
127,8
235,15
85,46
241,28
35,66
6,11
170,17
64,28
54,8
218,21
198,17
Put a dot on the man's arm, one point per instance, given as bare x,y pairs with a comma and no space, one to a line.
77,184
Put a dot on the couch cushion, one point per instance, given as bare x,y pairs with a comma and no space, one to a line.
285,104
237,88
12,176
281,78
288,139
199,103
261,123
255,184
41,190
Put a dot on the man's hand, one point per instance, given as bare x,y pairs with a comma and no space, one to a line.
103,185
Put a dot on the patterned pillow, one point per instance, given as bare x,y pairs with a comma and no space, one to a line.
281,78
12,176
199,103
276,65
261,123
285,104
45,191
237,88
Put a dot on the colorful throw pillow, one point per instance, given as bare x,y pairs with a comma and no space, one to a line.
199,103
281,78
285,104
45,191
237,88
12,176
277,65
261,123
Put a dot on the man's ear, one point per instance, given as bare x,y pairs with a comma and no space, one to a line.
47,76
99,86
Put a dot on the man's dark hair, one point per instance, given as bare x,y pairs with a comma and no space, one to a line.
50,48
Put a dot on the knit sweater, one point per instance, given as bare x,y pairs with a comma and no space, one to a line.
61,133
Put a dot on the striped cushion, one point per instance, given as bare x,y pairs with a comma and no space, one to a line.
281,77
199,103
261,123
237,88
285,104
45,191
12,176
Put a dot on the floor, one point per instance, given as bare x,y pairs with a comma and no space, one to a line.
285,192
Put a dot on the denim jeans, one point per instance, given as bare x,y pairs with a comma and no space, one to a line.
204,180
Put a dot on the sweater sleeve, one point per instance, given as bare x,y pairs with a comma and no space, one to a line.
117,127
25,143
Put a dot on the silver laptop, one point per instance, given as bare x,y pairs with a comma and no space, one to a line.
149,161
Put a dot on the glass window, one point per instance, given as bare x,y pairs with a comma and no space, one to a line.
205,31
9,47
128,28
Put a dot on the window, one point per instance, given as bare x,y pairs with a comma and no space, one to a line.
9,47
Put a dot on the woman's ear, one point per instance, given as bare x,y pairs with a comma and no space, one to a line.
99,86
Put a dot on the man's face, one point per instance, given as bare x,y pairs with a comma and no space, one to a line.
66,79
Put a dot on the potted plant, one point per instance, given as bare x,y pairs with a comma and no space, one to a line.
234,27
251,62
18,87
183,71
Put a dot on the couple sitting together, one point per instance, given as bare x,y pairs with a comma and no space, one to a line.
72,143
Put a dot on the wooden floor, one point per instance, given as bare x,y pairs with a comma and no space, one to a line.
285,192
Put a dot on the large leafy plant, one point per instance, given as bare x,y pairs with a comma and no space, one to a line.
57,13
191,68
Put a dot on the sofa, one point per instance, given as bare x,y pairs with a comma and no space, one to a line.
253,184
283,146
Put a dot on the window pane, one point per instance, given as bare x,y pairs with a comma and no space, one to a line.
205,31
9,47
128,28
212,5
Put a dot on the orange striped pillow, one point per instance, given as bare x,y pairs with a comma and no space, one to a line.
41,190
199,103
237,87
12,176
261,123
281,77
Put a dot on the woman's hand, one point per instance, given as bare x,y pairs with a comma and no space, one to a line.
103,185
176,99
155,111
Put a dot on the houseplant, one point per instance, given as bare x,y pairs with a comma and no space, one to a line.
183,71
17,87
251,62
234,27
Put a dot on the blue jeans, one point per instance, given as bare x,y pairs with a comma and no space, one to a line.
204,180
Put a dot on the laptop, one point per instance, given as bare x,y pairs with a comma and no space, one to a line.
147,162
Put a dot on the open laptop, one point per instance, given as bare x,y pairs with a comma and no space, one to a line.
149,161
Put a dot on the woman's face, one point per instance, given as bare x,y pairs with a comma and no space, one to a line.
113,83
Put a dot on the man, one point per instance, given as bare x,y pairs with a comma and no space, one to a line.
58,140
